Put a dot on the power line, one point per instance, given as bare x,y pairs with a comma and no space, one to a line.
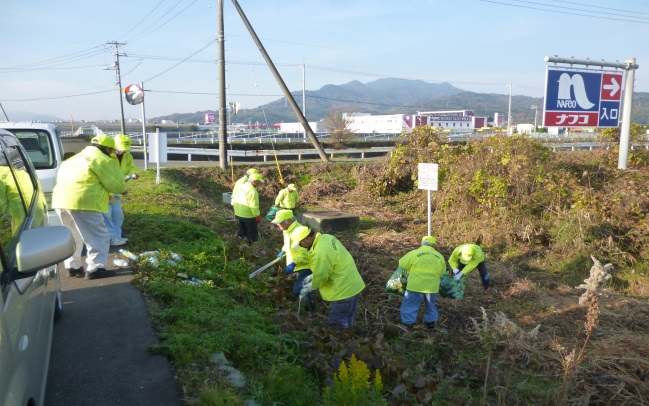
562,12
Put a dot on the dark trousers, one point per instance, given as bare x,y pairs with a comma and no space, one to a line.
342,312
248,229
484,275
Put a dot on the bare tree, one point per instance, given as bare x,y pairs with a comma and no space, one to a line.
338,125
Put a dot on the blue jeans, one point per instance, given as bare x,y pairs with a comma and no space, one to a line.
342,312
114,218
410,307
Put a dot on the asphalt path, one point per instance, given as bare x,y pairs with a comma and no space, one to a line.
100,347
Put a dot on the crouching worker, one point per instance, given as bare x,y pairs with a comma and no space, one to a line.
334,274
297,260
425,266
467,257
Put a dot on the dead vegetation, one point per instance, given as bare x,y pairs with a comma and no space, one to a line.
540,218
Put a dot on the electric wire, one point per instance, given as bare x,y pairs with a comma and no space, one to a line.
562,12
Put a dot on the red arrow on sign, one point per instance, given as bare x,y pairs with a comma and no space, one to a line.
611,84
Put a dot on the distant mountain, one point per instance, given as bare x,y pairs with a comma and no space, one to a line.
393,96
27,116
382,96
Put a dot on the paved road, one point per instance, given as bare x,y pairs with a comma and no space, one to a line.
99,348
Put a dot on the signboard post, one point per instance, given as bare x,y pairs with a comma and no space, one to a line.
427,177
577,98
158,151
609,96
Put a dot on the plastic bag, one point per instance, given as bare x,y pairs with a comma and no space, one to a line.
270,216
397,283
451,288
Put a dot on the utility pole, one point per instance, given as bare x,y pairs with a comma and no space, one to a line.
223,124
304,94
119,79
536,110
509,112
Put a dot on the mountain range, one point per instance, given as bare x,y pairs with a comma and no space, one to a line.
394,96
384,96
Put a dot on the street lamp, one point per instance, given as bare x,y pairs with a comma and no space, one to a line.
536,110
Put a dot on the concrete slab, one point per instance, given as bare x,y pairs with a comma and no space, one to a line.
329,220
227,197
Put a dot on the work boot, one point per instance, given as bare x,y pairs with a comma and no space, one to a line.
430,326
74,272
99,273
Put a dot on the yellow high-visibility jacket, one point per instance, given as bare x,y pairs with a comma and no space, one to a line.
286,199
245,200
425,266
86,180
239,182
334,270
456,257
127,166
300,255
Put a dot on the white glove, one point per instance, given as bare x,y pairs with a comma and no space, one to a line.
458,276
308,280
306,288
455,271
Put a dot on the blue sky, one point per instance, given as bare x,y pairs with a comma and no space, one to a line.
54,52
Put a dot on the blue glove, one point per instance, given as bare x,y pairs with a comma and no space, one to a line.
289,268
281,254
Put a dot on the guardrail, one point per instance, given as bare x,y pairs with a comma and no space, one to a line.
301,154
366,153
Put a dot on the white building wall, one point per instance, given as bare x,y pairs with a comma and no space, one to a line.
292,128
525,128
384,124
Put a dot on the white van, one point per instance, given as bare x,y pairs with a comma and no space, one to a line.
42,141
29,278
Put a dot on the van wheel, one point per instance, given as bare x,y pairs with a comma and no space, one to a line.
58,306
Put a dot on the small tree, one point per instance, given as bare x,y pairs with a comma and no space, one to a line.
613,134
338,125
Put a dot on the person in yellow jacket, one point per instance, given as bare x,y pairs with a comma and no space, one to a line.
115,216
467,257
424,266
334,274
245,200
83,186
241,181
287,197
297,259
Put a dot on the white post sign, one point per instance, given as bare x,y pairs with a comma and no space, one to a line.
427,178
158,152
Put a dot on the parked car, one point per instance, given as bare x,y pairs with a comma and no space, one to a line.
30,252
42,141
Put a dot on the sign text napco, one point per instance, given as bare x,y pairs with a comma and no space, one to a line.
576,98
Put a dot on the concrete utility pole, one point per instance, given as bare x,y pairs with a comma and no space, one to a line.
629,66
287,93
509,112
536,110
223,135
119,80
304,94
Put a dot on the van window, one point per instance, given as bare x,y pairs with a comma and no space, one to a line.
39,147
12,209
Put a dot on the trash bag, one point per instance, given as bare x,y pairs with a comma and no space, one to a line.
451,288
270,216
397,283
